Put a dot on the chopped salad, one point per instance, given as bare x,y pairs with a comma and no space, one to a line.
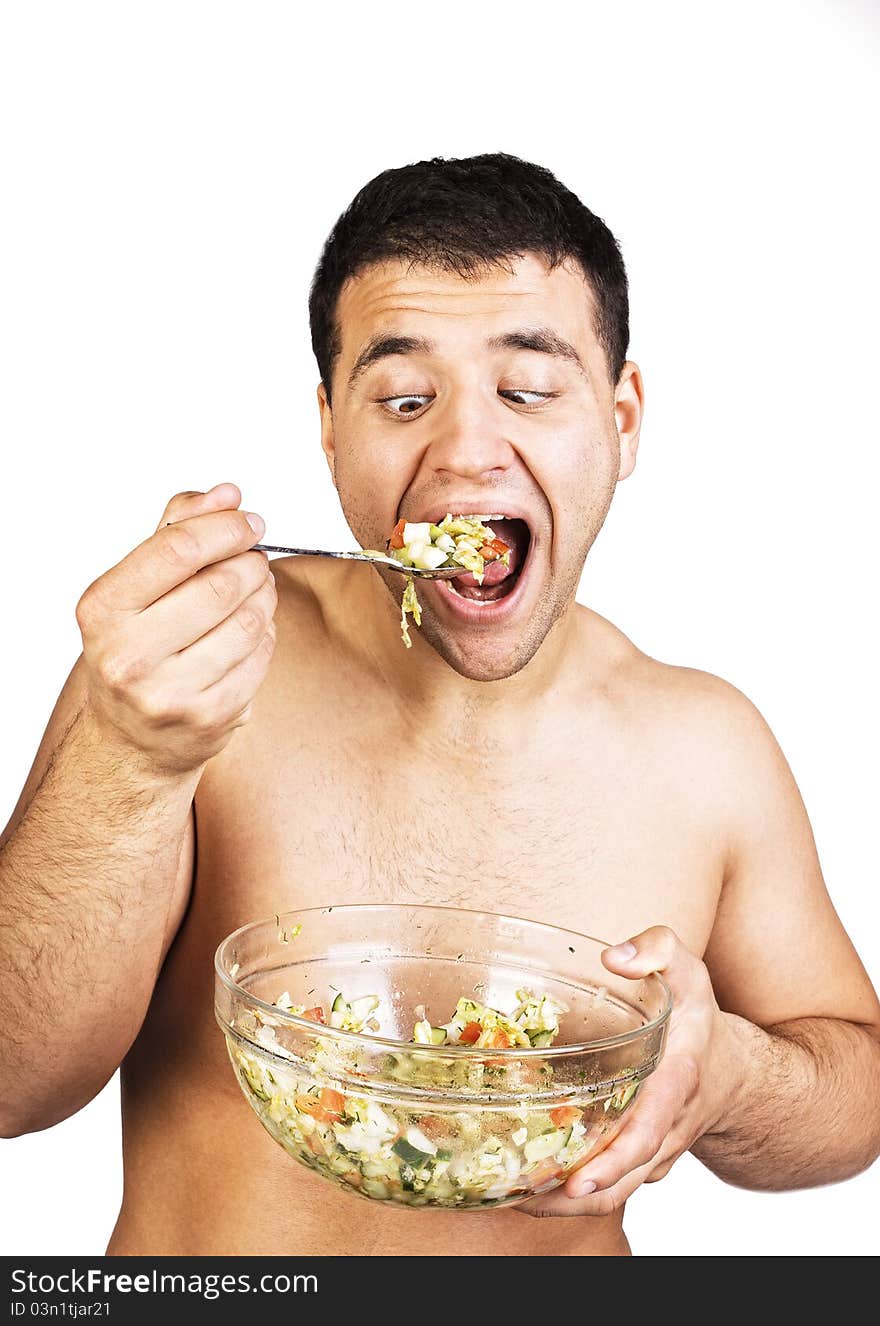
473,1151
457,541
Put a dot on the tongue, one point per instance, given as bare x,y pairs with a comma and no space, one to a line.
494,573
515,534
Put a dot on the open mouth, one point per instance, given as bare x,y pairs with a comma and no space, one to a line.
499,581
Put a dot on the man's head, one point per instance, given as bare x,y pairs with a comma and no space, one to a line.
470,323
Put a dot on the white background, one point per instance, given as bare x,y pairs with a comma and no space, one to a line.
170,171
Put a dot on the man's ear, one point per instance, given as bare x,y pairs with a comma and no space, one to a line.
328,445
629,405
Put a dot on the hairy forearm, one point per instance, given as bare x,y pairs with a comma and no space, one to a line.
86,881
804,1109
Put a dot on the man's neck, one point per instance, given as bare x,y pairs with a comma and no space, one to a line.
432,690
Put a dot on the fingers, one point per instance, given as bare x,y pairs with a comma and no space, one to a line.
195,608
654,1113
178,636
561,1202
228,702
207,716
659,949
657,1130
168,558
210,658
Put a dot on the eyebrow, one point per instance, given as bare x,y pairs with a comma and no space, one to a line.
541,340
385,345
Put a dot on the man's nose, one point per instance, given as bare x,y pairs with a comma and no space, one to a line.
469,441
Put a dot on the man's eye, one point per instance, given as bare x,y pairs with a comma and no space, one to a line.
527,397
404,404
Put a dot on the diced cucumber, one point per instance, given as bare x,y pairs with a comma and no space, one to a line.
621,1097
546,1144
468,1010
428,558
339,1004
257,1091
438,1035
446,542
541,1039
360,1009
407,1178
436,533
375,1188
409,1154
374,1169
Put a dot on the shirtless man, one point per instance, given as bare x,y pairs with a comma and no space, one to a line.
232,744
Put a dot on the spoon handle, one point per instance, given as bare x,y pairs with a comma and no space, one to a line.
311,552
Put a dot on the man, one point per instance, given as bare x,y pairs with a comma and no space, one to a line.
232,744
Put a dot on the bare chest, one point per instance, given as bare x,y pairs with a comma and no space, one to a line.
579,835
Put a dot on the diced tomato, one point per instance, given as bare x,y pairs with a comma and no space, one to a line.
500,1040
333,1102
315,1014
471,1033
565,1115
544,1172
488,553
396,540
315,1145
311,1105
498,546
354,1178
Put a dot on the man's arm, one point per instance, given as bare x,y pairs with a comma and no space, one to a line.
96,863
772,1068
803,1017
95,867
805,1111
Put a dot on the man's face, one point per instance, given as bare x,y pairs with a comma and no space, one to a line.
486,396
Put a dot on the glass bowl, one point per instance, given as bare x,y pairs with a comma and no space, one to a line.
451,1126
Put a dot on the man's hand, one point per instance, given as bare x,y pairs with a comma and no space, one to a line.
683,1099
178,636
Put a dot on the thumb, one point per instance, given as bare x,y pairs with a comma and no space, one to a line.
222,497
657,949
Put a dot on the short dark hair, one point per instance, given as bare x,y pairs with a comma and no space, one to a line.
466,215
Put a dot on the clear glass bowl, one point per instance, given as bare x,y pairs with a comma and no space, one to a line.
449,1126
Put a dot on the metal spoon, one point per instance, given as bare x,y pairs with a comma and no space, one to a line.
377,558
365,555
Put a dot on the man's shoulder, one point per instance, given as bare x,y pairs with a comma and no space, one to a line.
676,704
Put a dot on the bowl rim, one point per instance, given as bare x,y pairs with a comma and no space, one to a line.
441,1051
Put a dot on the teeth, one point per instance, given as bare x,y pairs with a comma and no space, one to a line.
473,515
